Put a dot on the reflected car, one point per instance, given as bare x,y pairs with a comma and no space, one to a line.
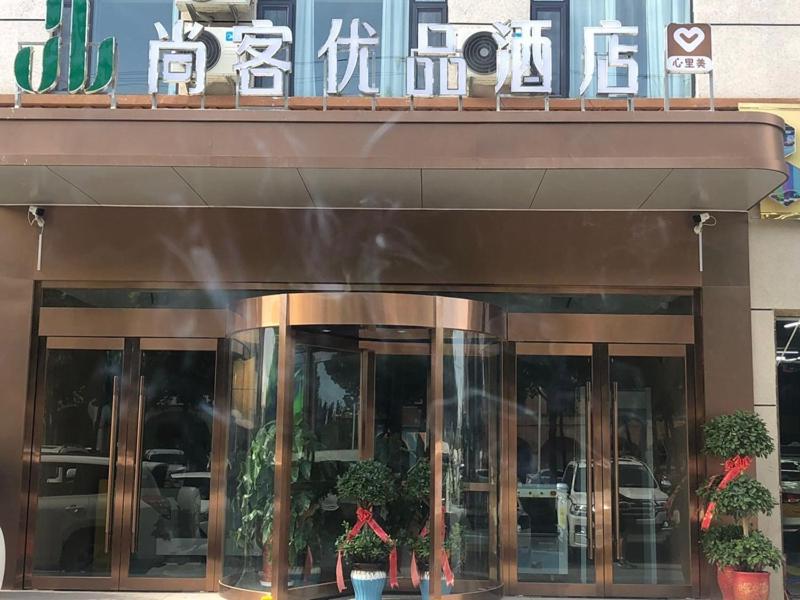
642,503
71,512
790,496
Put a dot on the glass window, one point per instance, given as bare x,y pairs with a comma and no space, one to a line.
251,455
552,440
650,479
470,491
558,14
131,22
313,25
281,13
73,479
787,345
652,18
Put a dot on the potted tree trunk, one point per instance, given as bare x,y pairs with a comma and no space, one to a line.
742,554
365,545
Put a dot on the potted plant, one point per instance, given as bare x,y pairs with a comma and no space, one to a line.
365,545
256,500
421,547
367,555
741,553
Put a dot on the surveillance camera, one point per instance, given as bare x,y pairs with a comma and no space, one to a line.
701,218
36,216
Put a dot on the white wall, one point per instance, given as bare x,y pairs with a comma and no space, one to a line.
756,47
20,21
487,11
774,287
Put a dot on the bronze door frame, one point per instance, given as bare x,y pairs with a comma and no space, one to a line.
601,451
129,431
30,579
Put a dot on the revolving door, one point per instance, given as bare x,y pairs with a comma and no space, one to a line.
321,380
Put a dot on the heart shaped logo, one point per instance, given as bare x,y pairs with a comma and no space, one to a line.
689,38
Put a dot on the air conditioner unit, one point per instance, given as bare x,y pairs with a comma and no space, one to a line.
218,10
220,58
477,44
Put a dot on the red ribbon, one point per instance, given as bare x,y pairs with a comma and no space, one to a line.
449,576
364,517
733,468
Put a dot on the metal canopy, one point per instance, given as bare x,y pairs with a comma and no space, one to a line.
420,160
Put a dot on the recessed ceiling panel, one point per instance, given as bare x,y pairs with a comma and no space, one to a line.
132,186
222,186
37,185
720,189
480,188
593,189
364,188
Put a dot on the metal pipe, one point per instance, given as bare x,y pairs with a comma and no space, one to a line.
137,469
112,461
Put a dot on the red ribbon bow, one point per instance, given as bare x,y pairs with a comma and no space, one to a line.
449,576
733,468
364,516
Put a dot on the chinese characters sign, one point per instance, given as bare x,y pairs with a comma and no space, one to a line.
436,67
689,49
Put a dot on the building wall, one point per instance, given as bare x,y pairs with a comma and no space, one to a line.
747,36
775,289
20,21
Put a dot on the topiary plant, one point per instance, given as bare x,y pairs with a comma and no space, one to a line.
743,498
365,548
738,434
737,438
368,483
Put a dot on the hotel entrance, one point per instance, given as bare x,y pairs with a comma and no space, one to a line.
558,466
123,439
600,456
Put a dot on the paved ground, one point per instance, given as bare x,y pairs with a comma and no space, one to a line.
34,595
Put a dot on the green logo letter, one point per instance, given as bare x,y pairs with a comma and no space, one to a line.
78,53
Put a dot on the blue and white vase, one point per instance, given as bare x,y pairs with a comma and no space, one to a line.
425,586
368,585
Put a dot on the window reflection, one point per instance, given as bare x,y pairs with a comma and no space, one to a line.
73,480
552,440
471,408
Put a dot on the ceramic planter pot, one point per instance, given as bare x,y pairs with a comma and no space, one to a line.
425,586
750,586
367,582
725,582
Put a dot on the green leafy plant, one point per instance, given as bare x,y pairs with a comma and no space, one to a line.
365,548
738,545
738,434
256,490
743,497
368,483
421,547
727,547
717,541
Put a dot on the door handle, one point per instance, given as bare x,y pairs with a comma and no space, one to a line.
112,461
137,469
589,473
615,458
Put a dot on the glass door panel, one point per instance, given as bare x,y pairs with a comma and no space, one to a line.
471,385
649,486
554,487
327,380
171,426
75,476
